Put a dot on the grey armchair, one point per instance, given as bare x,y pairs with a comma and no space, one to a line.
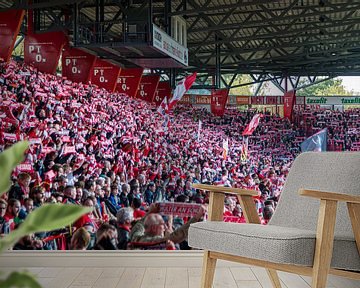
314,231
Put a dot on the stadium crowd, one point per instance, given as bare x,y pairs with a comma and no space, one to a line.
111,152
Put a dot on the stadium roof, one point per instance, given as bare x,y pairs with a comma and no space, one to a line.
279,37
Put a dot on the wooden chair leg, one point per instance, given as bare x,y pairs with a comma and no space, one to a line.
274,278
324,243
208,270
354,212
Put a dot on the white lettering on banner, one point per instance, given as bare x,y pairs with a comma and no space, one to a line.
157,98
122,81
24,167
179,209
73,62
101,78
142,92
169,46
37,49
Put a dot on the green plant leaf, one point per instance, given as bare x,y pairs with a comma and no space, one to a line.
9,159
47,217
20,279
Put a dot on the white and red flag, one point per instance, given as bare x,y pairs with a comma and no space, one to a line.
225,148
164,107
183,86
250,128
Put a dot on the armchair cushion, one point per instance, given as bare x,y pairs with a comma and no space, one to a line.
270,243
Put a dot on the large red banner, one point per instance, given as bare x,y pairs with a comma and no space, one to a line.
10,23
129,80
147,88
218,101
105,74
289,101
76,64
43,50
163,90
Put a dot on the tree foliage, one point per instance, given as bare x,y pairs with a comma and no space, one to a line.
239,79
327,88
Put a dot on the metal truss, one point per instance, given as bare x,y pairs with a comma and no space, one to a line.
269,40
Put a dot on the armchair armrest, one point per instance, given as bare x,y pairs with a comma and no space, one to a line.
226,190
330,196
216,201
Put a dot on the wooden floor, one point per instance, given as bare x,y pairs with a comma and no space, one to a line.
144,270
171,277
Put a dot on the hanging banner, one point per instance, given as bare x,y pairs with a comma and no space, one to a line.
76,64
179,209
129,80
186,99
242,100
271,100
10,23
147,88
257,100
105,74
289,101
202,99
43,50
163,90
218,101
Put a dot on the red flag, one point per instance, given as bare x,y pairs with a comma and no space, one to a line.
289,101
183,86
77,64
218,101
163,90
129,80
147,88
10,23
43,50
105,74
250,128
163,108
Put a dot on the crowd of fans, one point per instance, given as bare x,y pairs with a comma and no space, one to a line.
110,152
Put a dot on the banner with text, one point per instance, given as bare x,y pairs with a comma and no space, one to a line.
289,101
333,100
10,23
76,64
186,99
242,100
129,80
202,99
105,74
179,209
218,101
257,100
147,88
169,46
163,90
43,50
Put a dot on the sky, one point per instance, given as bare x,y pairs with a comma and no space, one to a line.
351,83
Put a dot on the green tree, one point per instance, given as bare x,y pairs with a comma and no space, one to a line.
239,79
326,88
